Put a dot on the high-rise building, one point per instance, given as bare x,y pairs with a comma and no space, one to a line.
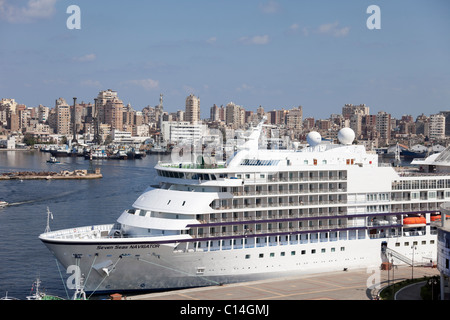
294,118
384,127
63,117
234,115
192,113
446,114
110,109
217,113
349,109
437,126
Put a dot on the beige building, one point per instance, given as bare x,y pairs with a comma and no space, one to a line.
294,118
192,113
110,109
349,109
62,117
234,115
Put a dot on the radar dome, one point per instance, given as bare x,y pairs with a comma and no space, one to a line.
346,136
313,138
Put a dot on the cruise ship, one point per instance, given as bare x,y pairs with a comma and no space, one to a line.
261,214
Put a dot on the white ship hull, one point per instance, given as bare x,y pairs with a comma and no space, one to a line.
113,265
263,214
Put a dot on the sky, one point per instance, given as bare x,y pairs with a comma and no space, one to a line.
271,53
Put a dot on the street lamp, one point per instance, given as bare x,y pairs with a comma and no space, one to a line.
393,278
432,282
413,247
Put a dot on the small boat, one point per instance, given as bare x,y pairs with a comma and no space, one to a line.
39,295
53,160
3,204
96,154
7,297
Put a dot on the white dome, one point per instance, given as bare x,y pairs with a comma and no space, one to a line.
313,138
346,136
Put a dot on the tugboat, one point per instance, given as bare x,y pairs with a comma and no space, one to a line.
53,160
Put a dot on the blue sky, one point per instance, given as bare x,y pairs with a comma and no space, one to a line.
274,53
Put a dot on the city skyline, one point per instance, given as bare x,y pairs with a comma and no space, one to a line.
277,54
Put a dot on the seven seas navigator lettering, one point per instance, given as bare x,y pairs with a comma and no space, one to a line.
133,246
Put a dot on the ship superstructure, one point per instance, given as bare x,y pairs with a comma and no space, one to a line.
261,214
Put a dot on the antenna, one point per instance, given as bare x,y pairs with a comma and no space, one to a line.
49,215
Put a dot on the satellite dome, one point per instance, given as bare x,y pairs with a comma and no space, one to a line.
313,138
346,136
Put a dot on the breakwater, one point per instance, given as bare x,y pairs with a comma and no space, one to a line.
48,175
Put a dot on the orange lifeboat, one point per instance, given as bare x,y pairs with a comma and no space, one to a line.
414,220
435,218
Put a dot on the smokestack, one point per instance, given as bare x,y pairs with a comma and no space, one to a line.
74,124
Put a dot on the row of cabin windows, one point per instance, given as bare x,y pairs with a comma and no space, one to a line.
293,253
187,175
206,176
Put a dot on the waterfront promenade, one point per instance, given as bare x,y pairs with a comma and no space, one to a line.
358,284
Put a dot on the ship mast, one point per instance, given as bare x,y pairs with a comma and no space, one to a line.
49,215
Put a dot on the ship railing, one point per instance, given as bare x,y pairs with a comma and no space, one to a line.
281,205
268,232
287,192
286,215
192,165
88,232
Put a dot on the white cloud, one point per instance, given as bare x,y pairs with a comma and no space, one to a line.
258,40
211,40
34,10
91,83
269,7
244,87
86,58
294,27
147,84
333,29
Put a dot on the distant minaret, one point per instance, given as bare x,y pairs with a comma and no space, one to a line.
161,110
74,122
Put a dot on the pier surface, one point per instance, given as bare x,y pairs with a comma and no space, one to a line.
357,284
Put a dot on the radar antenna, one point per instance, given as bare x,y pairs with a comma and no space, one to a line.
49,215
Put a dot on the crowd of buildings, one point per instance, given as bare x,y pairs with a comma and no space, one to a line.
108,119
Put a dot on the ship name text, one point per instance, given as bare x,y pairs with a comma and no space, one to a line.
132,246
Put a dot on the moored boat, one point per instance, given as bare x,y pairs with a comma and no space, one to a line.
260,214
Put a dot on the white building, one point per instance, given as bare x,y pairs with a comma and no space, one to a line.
118,135
437,126
182,131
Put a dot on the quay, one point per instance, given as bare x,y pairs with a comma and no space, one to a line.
357,284
30,175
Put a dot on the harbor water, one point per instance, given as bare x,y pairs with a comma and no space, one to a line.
73,203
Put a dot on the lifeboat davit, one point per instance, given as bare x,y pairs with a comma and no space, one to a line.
414,220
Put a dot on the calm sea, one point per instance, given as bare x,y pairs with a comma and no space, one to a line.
74,203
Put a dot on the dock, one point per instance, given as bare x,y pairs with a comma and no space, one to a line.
48,175
357,284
